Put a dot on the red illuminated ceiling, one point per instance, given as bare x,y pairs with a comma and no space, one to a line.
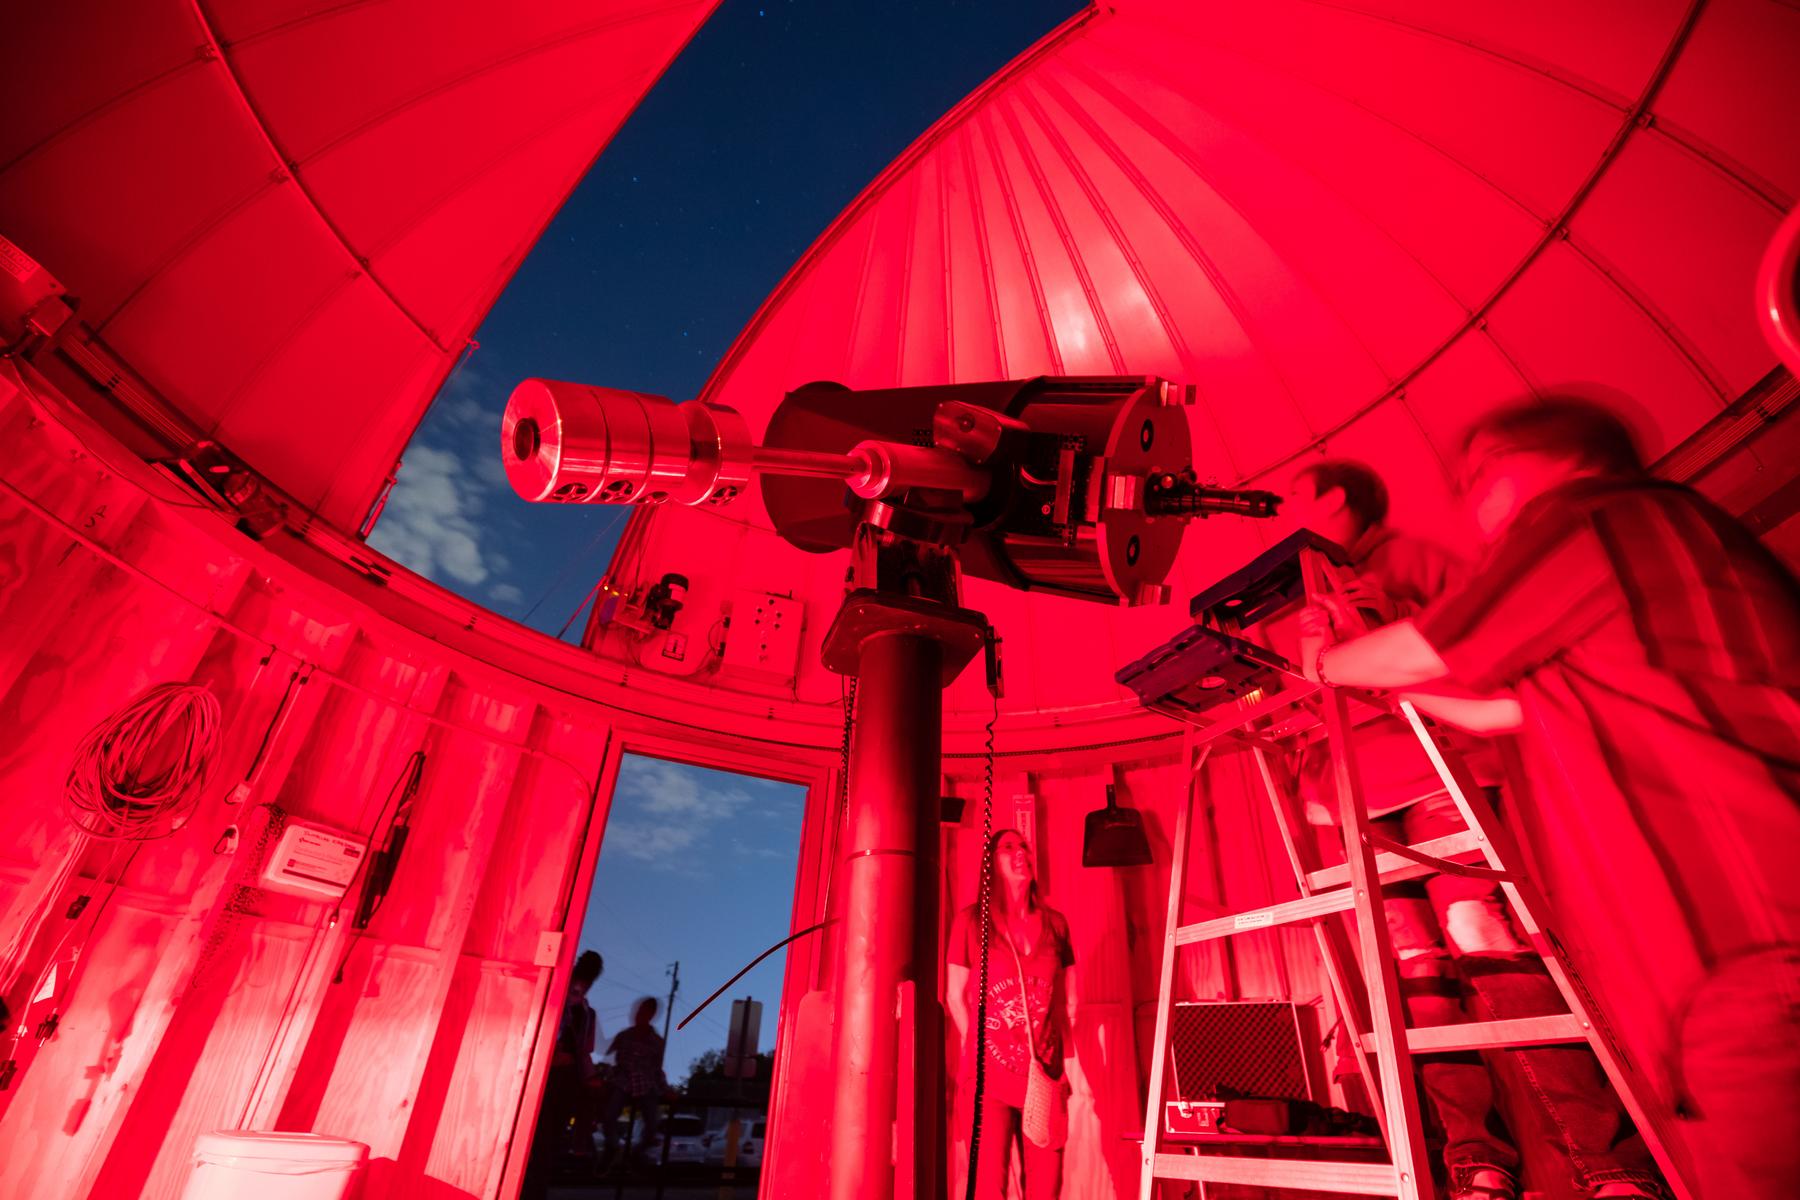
288,216
1352,226
1345,222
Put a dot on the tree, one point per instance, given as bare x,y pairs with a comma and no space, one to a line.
708,1066
707,1073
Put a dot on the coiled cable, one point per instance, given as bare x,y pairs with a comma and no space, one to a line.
137,775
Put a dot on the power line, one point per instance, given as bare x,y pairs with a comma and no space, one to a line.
575,560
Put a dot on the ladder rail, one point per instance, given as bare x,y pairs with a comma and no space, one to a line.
1381,976
1502,853
1334,948
1165,988
1372,1014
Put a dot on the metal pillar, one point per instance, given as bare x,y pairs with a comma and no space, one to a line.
893,779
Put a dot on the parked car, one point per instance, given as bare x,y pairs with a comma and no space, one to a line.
687,1144
750,1145
687,1141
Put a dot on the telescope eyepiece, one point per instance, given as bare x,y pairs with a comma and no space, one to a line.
1182,495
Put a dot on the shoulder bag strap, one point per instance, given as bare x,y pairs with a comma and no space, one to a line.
1024,996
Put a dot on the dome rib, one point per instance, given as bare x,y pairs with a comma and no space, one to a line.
1022,243
1549,71
88,116
1166,323
289,168
1184,234
1373,114
454,83
1552,233
445,137
1059,220
1160,131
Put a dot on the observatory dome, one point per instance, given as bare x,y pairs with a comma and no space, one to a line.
242,245
1351,228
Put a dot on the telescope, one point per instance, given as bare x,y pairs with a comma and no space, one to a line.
1077,486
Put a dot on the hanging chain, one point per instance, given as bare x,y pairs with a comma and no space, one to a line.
843,795
986,918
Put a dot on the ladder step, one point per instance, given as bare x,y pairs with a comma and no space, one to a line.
1392,867
1361,1179
1303,909
1488,1035
1338,899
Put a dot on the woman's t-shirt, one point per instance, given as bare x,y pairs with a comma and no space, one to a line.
1008,1003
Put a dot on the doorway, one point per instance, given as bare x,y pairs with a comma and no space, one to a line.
696,877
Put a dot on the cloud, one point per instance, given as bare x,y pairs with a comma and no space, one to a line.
664,813
437,520
471,399
431,522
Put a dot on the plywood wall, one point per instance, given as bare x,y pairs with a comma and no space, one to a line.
203,1001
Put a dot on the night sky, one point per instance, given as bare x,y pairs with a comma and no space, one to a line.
760,133
765,128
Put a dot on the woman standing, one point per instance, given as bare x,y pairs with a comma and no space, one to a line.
1037,987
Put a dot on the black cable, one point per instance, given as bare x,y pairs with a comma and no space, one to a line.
748,967
986,917
405,787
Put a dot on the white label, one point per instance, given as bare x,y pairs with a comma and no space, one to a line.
313,862
549,942
321,858
1255,920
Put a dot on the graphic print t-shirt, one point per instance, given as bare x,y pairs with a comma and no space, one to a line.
1008,1003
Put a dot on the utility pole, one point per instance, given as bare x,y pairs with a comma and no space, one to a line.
662,1173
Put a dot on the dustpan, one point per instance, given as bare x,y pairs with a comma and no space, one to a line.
1115,836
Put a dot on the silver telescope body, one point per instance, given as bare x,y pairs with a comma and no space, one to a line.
1078,486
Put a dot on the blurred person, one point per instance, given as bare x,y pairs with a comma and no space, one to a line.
1039,987
637,1079
567,1085
1459,955
1646,648
1346,502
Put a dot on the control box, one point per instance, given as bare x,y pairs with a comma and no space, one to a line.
765,634
314,862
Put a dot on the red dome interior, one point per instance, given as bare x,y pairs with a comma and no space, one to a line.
1351,227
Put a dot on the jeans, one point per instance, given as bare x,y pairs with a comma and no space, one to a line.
1461,959
649,1112
1041,1169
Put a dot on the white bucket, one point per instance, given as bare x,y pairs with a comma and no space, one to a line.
242,1165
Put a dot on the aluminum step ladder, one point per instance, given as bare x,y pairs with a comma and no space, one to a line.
1364,979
